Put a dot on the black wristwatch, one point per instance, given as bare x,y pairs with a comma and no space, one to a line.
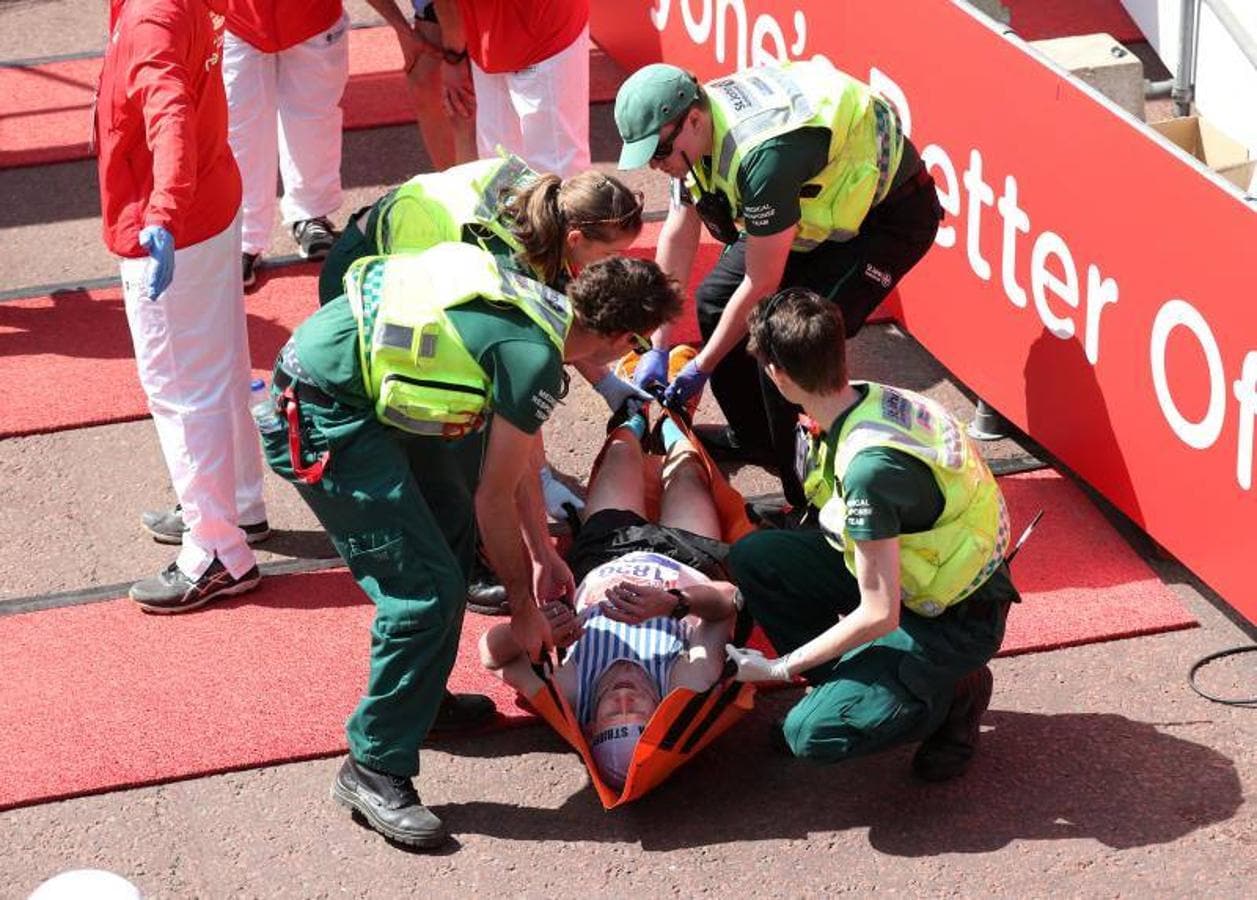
453,57
682,609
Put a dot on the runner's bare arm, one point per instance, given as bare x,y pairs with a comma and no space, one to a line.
713,608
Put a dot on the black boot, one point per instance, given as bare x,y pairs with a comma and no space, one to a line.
389,804
485,594
948,751
462,712
723,446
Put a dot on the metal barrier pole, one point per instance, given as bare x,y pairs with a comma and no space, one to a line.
1185,77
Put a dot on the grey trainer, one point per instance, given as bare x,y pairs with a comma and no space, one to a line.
171,591
167,526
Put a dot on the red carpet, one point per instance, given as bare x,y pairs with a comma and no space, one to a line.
1035,20
101,697
46,111
77,344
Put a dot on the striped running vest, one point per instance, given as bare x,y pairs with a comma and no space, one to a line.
654,644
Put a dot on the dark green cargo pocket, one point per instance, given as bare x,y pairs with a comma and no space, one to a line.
401,584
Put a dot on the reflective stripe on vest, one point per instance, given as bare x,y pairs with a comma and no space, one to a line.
866,142
432,208
943,565
544,305
415,366
511,172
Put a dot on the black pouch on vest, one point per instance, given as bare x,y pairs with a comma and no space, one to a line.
713,208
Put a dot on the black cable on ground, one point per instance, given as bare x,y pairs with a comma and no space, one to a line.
1250,702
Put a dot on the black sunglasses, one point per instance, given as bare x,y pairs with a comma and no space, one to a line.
664,149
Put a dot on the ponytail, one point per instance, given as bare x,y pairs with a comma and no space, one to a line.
535,218
541,214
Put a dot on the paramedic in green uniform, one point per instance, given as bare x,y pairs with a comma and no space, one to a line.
385,393
806,175
893,607
557,225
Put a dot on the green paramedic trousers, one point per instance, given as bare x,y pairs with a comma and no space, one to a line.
399,510
893,690
352,244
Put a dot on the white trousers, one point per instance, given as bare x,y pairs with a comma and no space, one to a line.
192,352
541,113
284,115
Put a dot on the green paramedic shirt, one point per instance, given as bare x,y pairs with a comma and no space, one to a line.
524,366
772,176
888,493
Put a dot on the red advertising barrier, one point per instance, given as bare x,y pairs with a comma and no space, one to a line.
1088,282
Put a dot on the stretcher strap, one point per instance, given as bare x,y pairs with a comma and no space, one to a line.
683,720
727,696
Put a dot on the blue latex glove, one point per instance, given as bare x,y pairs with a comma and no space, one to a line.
160,245
616,391
688,383
652,367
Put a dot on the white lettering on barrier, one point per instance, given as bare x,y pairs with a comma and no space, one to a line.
768,43
980,195
767,27
1100,293
1172,314
1046,245
697,29
1246,394
1015,220
1053,272
712,16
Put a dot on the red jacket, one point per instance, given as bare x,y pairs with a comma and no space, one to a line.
161,126
509,35
274,25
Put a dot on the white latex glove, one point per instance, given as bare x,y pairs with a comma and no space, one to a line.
615,390
556,494
754,666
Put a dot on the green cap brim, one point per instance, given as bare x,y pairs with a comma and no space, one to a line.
636,154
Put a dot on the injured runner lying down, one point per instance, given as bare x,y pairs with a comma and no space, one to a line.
650,615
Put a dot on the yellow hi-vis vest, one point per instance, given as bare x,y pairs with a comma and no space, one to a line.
865,145
939,567
415,366
432,208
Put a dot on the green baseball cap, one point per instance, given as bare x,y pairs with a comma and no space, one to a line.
652,97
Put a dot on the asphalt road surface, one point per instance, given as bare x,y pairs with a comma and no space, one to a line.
1100,773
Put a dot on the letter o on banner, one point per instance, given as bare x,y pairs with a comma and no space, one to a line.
1198,435
698,29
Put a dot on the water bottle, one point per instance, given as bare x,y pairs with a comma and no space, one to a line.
263,408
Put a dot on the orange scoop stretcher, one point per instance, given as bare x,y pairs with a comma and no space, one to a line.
686,720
